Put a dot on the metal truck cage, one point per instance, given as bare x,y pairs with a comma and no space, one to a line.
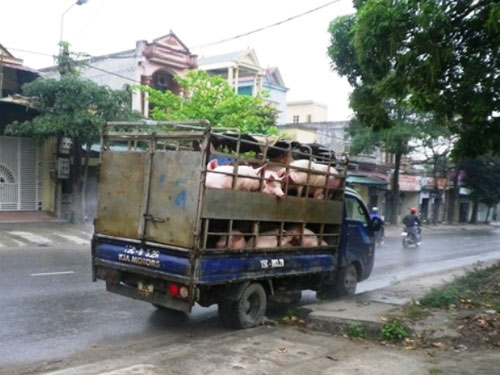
152,195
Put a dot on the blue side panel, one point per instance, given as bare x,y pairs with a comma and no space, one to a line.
149,258
222,268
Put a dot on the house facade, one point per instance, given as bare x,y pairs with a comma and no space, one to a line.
245,76
27,180
154,64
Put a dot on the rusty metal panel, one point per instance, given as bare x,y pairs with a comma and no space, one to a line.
241,205
173,199
121,185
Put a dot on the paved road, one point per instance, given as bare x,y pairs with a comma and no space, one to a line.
50,309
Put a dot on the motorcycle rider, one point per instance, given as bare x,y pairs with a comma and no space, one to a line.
412,225
379,235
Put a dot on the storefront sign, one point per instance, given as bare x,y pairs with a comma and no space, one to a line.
409,183
428,183
63,168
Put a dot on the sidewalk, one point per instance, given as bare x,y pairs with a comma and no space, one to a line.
395,230
9,217
311,349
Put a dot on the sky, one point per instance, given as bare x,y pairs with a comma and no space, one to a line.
298,47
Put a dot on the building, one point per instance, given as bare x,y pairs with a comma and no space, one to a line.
150,63
27,179
306,111
246,76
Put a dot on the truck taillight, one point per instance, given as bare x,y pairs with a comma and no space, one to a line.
173,290
183,292
178,291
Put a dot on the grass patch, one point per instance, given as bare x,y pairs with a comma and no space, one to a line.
414,311
394,330
435,371
356,330
471,288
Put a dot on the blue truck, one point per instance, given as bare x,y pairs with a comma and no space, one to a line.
158,227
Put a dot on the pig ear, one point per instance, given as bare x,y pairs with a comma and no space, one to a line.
293,176
281,173
212,165
259,170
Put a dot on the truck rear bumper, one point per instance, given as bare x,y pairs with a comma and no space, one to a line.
153,297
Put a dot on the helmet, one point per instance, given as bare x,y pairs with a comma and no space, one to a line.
375,209
413,210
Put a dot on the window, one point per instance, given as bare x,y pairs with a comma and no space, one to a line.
296,119
355,210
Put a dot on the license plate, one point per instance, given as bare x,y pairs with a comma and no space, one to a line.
145,289
404,234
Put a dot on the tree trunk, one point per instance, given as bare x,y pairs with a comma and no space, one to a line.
487,215
453,198
77,182
475,208
395,189
84,182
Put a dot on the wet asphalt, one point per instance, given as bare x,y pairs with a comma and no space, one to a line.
50,310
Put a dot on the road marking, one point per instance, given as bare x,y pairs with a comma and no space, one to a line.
19,243
52,273
76,239
33,238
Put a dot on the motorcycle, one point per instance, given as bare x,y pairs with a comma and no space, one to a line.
380,237
411,236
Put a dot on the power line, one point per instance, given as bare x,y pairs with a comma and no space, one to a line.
267,27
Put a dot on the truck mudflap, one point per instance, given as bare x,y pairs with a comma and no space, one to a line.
165,262
215,269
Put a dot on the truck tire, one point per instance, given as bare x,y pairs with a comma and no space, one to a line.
247,310
347,281
344,285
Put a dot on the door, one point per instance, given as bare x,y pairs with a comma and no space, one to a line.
18,174
360,242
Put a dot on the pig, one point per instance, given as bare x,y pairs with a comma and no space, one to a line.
270,185
309,238
237,241
269,239
317,182
224,181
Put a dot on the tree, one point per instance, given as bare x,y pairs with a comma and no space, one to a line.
434,56
483,178
211,98
394,140
433,149
75,108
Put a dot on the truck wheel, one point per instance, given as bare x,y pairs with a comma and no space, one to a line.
347,281
246,312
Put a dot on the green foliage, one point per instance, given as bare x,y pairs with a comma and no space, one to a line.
356,330
431,56
464,288
211,98
414,311
394,330
70,107
435,371
483,178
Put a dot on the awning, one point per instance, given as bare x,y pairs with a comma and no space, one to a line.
362,180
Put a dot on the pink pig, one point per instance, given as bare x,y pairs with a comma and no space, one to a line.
225,181
269,239
237,241
309,238
270,185
317,182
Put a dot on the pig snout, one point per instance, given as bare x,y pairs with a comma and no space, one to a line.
272,184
